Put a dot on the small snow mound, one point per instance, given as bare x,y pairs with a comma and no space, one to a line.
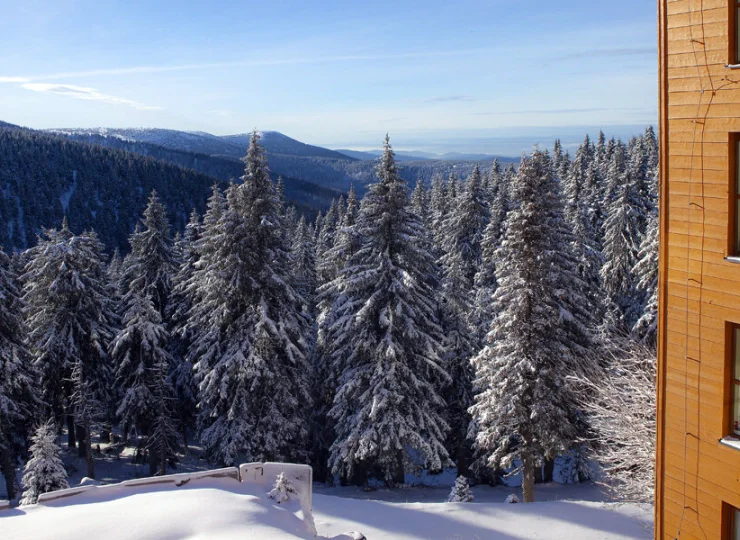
283,490
511,499
89,482
352,535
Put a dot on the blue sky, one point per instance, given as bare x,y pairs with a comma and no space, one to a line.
436,75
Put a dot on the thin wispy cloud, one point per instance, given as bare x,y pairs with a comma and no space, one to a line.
139,70
84,93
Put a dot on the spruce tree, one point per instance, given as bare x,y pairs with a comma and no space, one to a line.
463,232
387,341
646,277
324,376
71,320
19,398
419,203
621,246
249,347
180,304
45,471
152,262
303,254
140,344
525,408
461,491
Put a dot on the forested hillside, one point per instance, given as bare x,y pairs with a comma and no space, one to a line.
44,177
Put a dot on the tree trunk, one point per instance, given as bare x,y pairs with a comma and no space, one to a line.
399,476
549,469
185,436
528,478
6,463
71,432
359,475
538,477
462,460
88,451
82,443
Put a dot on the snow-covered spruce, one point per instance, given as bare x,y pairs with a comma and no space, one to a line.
151,264
143,361
646,283
19,397
70,317
526,409
461,244
324,375
250,333
283,490
44,472
178,309
387,341
461,491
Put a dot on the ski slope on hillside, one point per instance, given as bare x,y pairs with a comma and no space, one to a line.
223,509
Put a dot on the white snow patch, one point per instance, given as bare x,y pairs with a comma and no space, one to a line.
223,508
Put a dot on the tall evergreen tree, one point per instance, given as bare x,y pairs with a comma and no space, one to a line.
525,408
387,341
646,278
324,380
419,203
70,319
463,232
19,399
249,351
303,253
180,304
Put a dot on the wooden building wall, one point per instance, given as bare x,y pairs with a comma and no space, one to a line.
700,288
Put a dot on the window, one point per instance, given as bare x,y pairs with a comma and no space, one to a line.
735,383
734,32
731,522
734,210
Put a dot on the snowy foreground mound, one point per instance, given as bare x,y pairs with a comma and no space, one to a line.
223,508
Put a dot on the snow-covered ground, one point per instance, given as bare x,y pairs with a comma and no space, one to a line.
223,508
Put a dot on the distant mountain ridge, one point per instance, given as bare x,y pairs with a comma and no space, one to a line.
325,173
204,143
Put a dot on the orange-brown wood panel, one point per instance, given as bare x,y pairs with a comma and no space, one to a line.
700,288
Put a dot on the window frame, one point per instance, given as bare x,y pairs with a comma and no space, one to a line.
729,521
732,330
733,237
733,53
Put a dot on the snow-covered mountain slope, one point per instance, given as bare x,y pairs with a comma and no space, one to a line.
184,141
204,143
224,509
277,143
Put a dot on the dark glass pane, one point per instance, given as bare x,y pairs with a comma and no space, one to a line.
736,408
737,354
737,226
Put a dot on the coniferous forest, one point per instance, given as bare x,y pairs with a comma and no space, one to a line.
496,323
